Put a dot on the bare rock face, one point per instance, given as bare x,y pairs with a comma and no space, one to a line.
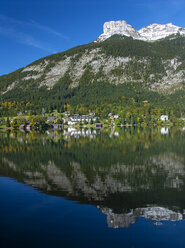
149,33
157,31
118,27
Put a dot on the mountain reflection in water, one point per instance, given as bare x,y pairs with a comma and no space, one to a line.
126,173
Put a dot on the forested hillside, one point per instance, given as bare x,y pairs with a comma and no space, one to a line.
103,72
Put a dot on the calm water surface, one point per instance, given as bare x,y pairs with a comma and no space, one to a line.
91,188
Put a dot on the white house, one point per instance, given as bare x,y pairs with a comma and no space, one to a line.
164,118
164,130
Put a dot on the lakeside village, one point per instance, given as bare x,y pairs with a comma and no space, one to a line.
58,121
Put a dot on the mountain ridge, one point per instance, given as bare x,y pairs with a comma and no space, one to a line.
150,32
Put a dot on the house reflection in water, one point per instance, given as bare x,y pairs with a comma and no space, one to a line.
164,130
77,133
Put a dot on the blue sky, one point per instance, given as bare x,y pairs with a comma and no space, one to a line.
33,29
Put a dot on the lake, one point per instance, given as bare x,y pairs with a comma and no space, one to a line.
93,188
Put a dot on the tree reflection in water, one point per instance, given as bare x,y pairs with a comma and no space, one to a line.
127,173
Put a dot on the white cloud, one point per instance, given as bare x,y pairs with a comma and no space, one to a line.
47,29
33,24
24,39
11,27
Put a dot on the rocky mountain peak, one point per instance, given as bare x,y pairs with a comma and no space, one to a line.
118,27
158,31
148,33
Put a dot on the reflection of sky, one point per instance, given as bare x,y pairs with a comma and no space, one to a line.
32,219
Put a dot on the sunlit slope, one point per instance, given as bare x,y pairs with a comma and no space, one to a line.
102,72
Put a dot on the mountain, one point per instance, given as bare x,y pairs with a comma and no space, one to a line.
121,62
149,33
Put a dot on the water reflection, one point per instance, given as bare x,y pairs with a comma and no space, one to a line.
78,133
156,214
164,130
125,173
